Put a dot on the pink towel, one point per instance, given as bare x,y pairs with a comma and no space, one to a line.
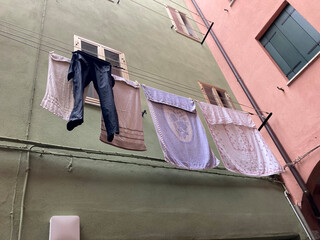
58,98
241,146
180,132
127,99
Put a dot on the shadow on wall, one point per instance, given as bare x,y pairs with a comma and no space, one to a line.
313,184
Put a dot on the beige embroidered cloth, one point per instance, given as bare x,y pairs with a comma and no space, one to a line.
58,98
127,99
241,146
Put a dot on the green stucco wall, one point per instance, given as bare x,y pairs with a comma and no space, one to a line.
113,200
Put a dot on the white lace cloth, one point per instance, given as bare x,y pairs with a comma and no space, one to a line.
58,98
241,146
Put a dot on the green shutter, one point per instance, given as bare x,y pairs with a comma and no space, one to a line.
291,41
313,33
278,59
295,34
287,51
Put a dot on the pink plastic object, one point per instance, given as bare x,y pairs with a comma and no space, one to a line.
64,228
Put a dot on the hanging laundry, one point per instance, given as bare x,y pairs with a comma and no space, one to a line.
241,146
128,105
180,132
85,68
58,98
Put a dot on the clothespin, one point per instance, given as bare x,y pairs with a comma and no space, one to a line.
118,2
144,112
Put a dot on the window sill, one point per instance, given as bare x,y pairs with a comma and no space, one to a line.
302,69
188,36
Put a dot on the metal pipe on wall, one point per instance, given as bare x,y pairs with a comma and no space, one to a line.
273,136
300,217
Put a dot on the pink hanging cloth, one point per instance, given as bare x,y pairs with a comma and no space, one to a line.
127,100
241,146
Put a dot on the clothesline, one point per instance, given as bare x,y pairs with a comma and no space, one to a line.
184,141
179,129
73,46
125,70
171,82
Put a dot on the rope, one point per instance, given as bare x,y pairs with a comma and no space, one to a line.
300,158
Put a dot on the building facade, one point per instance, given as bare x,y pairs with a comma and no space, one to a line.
274,47
48,171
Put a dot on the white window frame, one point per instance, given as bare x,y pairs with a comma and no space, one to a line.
101,55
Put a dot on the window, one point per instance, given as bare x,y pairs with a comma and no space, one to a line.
181,23
116,58
291,41
216,96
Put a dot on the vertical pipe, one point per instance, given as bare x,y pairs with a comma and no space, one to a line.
273,136
300,217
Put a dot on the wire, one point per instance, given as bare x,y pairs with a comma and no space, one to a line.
125,70
23,43
301,157
136,74
54,39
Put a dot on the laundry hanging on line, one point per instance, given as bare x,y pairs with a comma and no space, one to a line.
240,144
58,98
180,132
127,100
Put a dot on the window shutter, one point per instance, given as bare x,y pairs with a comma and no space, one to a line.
175,18
285,50
89,48
302,41
315,48
210,95
187,26
223,98
291,41
114,59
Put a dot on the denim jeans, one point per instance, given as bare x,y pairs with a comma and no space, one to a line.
85,68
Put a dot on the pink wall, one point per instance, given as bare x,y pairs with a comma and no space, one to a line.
296,112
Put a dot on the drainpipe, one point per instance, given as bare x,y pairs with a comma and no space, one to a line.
299,215
273,136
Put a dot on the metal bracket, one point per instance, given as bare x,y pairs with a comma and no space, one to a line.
207,33
265,121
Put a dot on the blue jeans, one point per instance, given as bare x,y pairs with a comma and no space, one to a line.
85,68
